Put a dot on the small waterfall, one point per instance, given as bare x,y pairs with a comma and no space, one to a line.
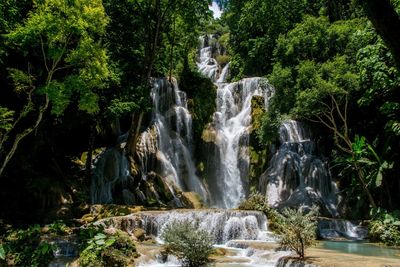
297,175
231,124
111,168
336,229
223,225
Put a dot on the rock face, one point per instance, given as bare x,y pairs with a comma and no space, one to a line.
297,175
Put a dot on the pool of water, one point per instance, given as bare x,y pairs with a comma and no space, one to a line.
360,248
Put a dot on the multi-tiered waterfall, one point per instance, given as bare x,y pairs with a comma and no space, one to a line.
231,124
296,175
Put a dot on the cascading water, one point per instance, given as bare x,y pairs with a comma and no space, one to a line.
173,124
163,153
296,175
243,233
231,124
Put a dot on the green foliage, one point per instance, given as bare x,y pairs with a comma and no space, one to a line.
26,248
255,201
66,36
297,230
6,119
255,26
190,244
385,227
365,160
100,249
201,93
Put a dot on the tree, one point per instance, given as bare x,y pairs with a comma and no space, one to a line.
66,58
297,229
190,244
386,21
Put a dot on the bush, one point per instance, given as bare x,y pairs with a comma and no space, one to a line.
385,227
297,231
26,248
255,201
101,249
188,243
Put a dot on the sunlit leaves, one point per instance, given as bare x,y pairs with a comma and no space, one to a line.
66,35
6,119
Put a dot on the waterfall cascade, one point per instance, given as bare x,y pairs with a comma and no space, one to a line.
297,176
231,125
164,154
173,124
223,225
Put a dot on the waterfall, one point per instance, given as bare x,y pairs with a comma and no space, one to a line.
173,124
336,229
296,175
231,124
163,155
223,225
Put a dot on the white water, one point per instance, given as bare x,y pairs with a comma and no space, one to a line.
235,231
296,175
231,122
164,149
173,126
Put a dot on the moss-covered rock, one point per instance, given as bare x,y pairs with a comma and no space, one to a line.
98,211
209,134
192,200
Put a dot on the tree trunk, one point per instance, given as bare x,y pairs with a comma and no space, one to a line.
153,50
386,22
134,133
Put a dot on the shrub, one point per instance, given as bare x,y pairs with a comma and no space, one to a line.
188,243
297,230
255,201
26,248
223,59
101,249
385,227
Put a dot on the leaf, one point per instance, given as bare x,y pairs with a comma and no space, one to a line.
2,252
100,236
109,242
100,242
378,180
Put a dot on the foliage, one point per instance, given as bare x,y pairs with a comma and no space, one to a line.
255,26
297,230
255,201
190,244
6,119
102,249
26,248
201,93
385,227
65,34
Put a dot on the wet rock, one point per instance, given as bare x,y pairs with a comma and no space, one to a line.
139,234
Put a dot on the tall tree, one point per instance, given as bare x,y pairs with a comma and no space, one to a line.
64,58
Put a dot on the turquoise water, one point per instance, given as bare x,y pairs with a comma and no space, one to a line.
360,248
